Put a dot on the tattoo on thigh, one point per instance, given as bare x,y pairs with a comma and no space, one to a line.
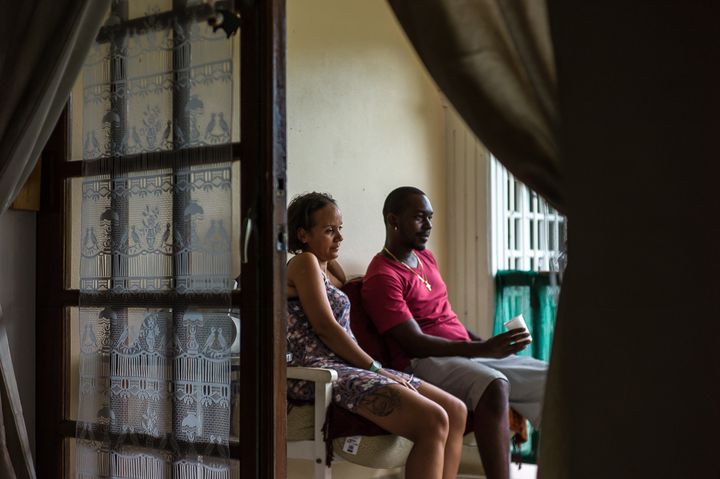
381,402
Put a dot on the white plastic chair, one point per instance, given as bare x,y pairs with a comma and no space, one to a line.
305,437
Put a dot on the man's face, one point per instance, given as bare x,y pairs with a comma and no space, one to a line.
415,222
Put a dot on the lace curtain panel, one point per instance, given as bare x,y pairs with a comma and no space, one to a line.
156,376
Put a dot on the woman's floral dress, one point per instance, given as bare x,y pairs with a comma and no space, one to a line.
308,350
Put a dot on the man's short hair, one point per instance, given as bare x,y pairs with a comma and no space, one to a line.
397,199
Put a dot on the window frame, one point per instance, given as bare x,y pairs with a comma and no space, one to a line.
536,248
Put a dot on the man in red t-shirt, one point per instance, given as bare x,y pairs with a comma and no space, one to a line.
407,300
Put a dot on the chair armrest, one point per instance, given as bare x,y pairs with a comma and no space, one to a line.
317,375
323,379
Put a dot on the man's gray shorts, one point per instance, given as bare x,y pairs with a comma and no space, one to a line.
467,378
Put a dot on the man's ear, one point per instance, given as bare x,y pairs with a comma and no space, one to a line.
393,220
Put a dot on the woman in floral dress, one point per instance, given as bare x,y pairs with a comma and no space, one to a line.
319,336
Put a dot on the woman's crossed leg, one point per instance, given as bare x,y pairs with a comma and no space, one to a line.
432,419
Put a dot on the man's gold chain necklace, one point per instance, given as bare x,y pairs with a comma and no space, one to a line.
422,277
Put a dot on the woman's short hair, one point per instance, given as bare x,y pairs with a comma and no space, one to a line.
299,212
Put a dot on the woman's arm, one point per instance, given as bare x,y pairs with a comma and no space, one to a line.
336,270
305,275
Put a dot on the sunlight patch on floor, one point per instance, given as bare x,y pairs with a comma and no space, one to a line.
527,471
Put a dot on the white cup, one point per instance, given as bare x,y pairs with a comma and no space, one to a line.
517,322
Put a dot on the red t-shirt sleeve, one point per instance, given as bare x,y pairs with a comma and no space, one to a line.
382,296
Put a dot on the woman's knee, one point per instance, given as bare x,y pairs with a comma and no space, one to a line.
433,422
457,412
462,414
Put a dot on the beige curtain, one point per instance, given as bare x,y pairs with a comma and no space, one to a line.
44,43
493,59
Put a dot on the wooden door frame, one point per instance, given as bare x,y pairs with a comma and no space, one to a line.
264,199
51,345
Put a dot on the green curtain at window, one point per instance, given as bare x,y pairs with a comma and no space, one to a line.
534,295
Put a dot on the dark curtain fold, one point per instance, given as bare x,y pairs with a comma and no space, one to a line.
635,365
493,60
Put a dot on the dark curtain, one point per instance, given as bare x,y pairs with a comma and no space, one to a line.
635,368
629,154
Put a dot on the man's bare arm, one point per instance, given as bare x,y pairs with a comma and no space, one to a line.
420,345
473,336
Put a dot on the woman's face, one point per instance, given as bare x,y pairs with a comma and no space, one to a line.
323,239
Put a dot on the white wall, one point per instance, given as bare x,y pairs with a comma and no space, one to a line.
470,282
363,118
17,296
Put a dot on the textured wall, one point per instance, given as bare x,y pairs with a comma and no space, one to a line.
363,118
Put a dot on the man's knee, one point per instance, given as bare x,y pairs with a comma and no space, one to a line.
494,399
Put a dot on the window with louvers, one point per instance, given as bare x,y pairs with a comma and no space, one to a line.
527,233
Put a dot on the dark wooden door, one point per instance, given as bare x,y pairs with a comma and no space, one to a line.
264,218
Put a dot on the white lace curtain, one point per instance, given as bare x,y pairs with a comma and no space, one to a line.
155,280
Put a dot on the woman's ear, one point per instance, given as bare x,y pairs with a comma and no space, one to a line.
302,235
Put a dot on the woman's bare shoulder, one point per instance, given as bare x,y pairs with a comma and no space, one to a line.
304,263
